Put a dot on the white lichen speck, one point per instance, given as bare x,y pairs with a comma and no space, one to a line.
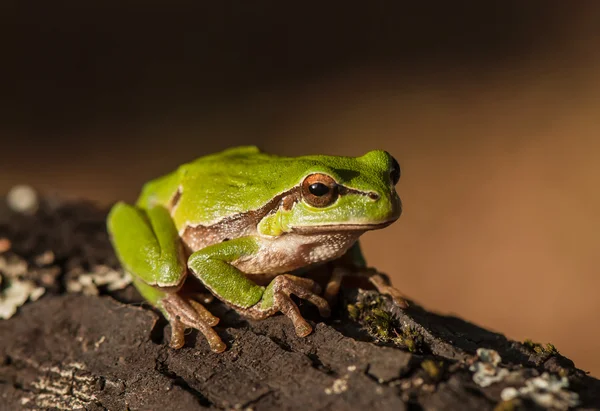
486,370
88,283
339,386
18,290
16,294
548,391
63,387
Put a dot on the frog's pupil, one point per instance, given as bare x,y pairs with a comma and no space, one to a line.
318,189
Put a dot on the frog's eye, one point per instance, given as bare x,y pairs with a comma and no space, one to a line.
319,190
395,172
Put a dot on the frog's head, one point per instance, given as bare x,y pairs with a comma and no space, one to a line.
343,193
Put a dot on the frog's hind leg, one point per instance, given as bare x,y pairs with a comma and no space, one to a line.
148,247
183,311
189,313
277,298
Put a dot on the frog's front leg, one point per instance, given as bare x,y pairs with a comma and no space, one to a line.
277,298
353,264
213,266
149,248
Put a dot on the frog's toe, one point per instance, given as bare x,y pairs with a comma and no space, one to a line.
303,329
204,314
204,298
183,314
398,299
289,284
280,290
285,304
307,283
284,286
383,286
332,288
177,334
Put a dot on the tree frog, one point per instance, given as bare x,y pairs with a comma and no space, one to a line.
239,216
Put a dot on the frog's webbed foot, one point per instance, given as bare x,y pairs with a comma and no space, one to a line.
185,313
379,281
277,298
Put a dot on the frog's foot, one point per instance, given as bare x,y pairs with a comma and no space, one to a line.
204,298
379,281
277,298
185,313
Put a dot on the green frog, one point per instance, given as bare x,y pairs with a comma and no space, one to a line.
241,218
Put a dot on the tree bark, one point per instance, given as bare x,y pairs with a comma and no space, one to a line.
73,349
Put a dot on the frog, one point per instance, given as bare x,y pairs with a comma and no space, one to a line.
248,224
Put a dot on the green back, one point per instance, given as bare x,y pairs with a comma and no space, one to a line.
241,179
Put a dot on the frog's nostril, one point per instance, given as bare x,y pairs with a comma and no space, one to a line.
373,195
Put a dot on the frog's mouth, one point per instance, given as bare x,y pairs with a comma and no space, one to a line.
336,228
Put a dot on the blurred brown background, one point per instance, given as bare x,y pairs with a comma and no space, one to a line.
490,107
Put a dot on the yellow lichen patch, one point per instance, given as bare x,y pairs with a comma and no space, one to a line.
408,338
546,351
434,369
506,406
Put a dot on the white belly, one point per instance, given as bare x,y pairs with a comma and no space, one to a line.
292,251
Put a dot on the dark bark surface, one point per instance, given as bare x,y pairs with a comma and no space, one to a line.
71,349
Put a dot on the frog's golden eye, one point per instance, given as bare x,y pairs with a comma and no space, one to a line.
319,190
395,172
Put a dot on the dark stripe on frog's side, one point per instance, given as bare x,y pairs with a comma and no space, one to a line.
239,225
343,190
174,200
243,224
